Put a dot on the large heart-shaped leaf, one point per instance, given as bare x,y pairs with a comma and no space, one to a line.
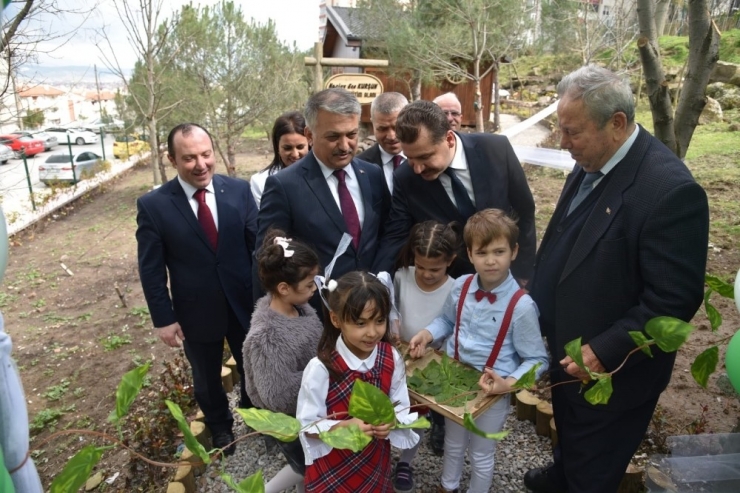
127,390
418,424
252,484
77,470
573,349
715,318
370,404
641,340
469,425
527,380
278,425
669,333
346,438
724,289
704,365
190,441
600,392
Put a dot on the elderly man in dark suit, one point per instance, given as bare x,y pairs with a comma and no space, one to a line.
451,176
329,192
200,229
386,152
626,243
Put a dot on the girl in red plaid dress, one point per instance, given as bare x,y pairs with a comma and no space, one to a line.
354,345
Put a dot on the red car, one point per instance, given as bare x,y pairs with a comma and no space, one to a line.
17,143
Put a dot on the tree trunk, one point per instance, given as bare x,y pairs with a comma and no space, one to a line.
703,56
496,102
158,168
661,15
657,87
478,97
231,156
415,90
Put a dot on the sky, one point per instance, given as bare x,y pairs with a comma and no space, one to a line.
296,21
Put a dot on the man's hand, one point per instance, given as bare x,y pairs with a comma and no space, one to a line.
418,343
171,335
590,361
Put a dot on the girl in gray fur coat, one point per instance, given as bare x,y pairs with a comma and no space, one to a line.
283,337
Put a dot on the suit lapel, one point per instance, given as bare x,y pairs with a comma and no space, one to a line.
227,213
318,186
183,205
477,166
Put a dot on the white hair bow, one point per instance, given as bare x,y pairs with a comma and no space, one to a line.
331,285
285,243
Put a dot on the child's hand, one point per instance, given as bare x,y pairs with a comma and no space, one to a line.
366,428
381,431
418,343
492,383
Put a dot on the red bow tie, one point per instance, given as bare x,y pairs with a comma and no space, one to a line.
480,294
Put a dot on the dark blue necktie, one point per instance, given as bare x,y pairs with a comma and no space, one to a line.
587,184
464,204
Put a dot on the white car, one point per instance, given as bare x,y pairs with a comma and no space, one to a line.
58,168
77,136
6,153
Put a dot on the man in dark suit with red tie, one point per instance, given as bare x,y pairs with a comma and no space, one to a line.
386,152
450,177
329,192
199,230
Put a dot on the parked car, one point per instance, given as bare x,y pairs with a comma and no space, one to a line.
58,168
20,143
77,136
97,124
126,145
50,141
6,153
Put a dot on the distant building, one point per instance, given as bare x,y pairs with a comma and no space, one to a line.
331,3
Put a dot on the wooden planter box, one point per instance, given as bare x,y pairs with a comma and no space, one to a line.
478,405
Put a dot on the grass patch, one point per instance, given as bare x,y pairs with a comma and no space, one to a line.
56,392
113,341
48,418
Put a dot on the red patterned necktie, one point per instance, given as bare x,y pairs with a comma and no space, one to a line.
480,294
349,211
205,218
397,161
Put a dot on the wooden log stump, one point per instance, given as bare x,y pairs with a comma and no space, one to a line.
231,364
202,433
175,488
553,432
543,417
658,480
199,416
197,465
632,482
226,380
184,475
526,403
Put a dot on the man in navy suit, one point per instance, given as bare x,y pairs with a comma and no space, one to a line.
627,242
386,152
329,192
451,176
200,229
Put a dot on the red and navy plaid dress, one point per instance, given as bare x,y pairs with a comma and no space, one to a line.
342,471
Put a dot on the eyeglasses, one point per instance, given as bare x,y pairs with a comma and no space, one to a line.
455,114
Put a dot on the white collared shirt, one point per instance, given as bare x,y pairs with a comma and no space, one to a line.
352,185
619,155
388,169
210,198
460,165
311,406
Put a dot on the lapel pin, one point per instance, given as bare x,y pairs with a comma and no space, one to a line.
222,190
608,210
362,171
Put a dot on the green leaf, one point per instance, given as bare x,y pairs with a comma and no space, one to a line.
419,423
600,392
573,349
528,379
253,484
641,340
370,404
704,365
127,391
669,333
469,425
77,470
278,425
190,441
715,318
346,438
724,289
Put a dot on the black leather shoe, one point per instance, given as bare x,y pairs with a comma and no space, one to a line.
222,441
437,439
544,480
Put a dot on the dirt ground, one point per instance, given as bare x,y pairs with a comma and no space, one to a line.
74,338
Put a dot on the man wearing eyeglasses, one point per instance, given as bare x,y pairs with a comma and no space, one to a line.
452,108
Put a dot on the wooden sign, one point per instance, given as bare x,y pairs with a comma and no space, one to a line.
365,87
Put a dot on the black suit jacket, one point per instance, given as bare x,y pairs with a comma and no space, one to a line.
298,201
372,155
641,254
203,283
498,182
